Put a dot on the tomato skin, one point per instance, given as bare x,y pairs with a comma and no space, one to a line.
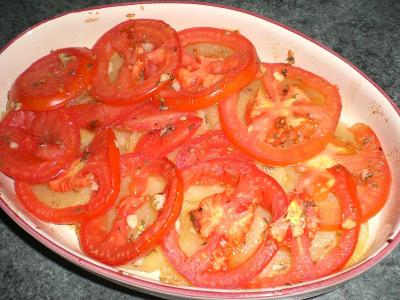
97,116
370,170
303,268
104,164
112,247
160,142
241,136
234,78
150,117
195,268
36,146
49,82
210,145
123,39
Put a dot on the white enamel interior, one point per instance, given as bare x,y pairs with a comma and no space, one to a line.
360,97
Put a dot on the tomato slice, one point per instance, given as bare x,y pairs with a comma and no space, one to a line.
303,267
142,54
53,80
288,118
36,146
152,117
359,150
223,219
210,145
97,116
103,165
160,142
120,242
367,162
215,64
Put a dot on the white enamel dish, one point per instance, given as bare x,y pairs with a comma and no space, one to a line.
363,101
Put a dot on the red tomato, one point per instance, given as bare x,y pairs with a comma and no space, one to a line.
148,52
97,116
224,220
202,80
117,243
160,142
152,117
289,119
53,80
363,156
303,267
103,165
369,167
36,146
210,145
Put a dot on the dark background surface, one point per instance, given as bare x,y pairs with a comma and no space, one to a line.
367,33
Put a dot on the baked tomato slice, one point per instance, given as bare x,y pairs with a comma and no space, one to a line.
215,64
53,80
210,145
290,115
151,117
365,159
100,174
359,150
149,204
37,146
221,239
160,142
97,116
134,60
310,255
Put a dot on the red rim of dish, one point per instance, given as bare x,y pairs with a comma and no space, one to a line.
154,287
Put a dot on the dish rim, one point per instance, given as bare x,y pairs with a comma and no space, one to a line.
151,286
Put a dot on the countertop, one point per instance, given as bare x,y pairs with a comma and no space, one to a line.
367,33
